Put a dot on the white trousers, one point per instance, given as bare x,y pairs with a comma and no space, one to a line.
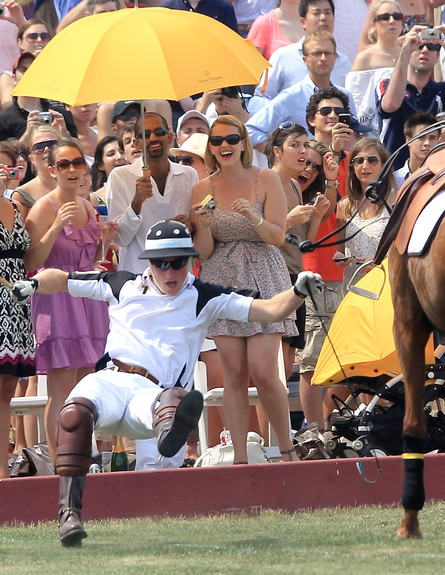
124,402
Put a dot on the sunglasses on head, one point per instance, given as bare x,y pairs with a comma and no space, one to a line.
34,36
63,165
40,147
326,110
128,115
359,160
231,139
312,165
163,265
430,46
386,16
288,125
157,132
186,160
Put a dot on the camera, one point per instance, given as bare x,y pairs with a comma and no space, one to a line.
231,91
12,173
209,203
345,119
430,34
46,117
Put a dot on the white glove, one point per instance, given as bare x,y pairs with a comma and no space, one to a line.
308,283
22,290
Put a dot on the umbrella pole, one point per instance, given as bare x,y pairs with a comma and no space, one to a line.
144,147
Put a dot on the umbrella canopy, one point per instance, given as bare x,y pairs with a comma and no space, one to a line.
136,54
361,333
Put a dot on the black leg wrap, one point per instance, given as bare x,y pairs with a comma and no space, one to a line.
76,422
413,487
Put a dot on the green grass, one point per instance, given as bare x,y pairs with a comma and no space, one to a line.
331,542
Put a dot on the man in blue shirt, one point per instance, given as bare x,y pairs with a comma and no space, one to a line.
288,65
409,90
218,9
320,53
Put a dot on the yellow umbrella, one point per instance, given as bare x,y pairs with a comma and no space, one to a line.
361,334
136,54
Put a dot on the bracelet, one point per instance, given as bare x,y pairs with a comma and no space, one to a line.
334,152
259,222
298,293
334,187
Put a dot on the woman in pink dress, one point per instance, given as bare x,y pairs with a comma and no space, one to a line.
70,332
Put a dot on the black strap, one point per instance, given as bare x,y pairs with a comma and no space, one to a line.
12,253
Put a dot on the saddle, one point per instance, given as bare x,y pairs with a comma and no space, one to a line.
411,199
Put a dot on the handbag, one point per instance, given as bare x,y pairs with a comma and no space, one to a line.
32,461
223,453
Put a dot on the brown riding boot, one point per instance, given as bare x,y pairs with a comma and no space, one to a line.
176,415
71,531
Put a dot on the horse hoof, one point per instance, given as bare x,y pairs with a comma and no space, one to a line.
404,533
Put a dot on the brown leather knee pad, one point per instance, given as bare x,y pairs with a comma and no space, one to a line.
73,452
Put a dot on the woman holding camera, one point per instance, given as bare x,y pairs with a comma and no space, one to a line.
238,241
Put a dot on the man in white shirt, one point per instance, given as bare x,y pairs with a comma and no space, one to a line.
288,66
136,199
158,325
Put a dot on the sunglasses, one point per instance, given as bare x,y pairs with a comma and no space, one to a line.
157,132
231,139
34,36
359,160
64,165
186,160
40,147
386,16
312,165
326,110
288,125
128,115
163,265
430,46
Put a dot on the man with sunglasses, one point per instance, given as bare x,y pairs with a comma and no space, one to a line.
158,324
137,199
411,89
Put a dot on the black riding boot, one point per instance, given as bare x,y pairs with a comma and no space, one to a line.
175,417
71,531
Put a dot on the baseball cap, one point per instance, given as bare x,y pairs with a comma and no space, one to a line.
188,116
168,239
357,127
19,59
195,144
120,107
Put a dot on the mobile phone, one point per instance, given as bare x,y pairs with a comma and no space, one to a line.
430,34
345,119
313,202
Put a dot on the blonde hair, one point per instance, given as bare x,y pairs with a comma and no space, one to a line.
246,154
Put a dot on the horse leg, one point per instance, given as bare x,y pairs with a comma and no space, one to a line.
411,332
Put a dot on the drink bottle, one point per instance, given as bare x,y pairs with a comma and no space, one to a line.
119,458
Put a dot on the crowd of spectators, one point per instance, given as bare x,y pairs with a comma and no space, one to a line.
346,88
